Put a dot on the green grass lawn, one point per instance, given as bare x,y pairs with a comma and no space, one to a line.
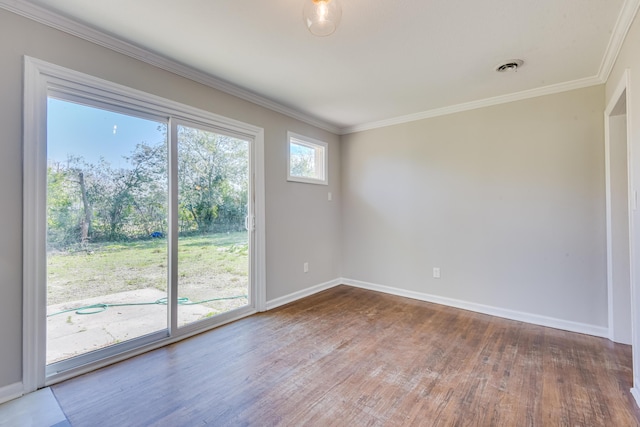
209,266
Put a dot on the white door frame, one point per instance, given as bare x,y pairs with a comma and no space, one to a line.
624,88
39,78
621,93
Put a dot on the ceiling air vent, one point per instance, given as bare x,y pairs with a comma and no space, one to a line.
510,65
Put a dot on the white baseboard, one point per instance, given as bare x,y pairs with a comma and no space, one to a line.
10,392
535,319
635,392
301,294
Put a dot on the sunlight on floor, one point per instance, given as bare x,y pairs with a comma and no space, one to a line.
39,409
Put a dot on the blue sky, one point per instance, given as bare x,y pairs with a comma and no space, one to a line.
91,133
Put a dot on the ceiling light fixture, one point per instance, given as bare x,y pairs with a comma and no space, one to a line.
510,65
322,16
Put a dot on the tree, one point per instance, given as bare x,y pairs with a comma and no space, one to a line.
302,160
96,202
131,201
63,212
86,223
212,172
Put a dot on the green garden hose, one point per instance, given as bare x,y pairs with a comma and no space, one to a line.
99,308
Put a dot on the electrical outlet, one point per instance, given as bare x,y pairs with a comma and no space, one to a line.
305,267
436,272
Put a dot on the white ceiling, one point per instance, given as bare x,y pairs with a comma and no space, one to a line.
388,59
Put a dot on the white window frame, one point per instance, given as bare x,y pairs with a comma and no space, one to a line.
314,144
42,79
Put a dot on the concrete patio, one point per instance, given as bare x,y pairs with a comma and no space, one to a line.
72,333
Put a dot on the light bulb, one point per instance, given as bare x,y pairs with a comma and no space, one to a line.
322,10
322,16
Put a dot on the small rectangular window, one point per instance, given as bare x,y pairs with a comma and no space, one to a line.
307,160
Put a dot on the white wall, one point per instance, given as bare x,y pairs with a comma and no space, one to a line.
629,58
301,224
507,200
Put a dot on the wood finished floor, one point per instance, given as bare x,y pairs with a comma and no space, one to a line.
351,357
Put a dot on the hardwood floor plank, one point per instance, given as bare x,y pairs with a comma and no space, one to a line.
353,357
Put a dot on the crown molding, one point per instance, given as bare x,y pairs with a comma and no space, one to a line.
623,24
618,35
43,16
473,105
53,20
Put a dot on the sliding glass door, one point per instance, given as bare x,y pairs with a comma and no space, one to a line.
149,228
107,210
214,225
